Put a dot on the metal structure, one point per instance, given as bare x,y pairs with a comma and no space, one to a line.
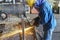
14,9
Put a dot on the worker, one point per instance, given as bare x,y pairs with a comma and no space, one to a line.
45,16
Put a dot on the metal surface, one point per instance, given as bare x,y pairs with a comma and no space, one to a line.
16,7
12,9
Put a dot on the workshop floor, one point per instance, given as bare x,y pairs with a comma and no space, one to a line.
56,34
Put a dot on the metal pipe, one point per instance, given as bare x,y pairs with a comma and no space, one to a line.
13,1
23,26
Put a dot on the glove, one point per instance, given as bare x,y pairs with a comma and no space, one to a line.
30,2
36,21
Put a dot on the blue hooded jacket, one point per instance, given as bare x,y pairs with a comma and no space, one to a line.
46,16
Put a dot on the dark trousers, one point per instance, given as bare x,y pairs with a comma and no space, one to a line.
47,33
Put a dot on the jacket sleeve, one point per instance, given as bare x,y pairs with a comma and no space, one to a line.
44,15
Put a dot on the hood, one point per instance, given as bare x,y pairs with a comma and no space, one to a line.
39,2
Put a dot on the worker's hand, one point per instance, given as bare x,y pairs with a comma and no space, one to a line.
35,21
34,11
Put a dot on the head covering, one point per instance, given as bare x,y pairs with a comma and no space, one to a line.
39,2
30,2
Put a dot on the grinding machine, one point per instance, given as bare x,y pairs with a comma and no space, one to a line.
14,20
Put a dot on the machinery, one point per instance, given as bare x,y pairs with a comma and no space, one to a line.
13,20
12,7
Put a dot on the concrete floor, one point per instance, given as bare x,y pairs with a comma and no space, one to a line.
56,34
